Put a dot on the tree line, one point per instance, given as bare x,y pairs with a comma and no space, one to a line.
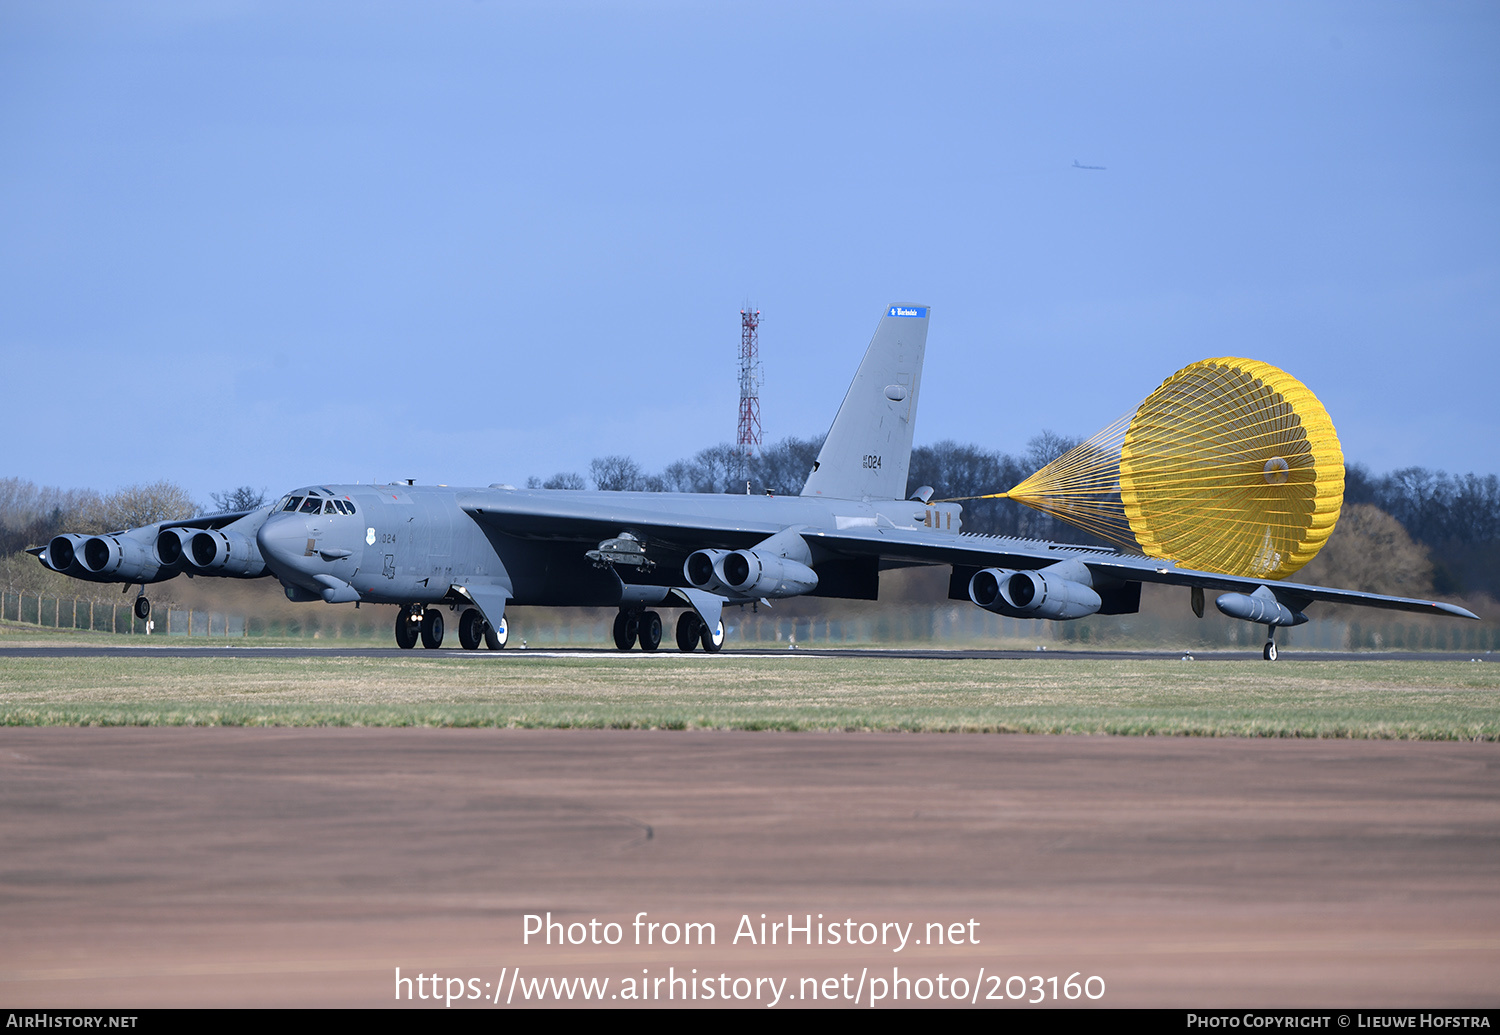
1456,517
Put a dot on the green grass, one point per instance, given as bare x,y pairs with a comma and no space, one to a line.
1452,700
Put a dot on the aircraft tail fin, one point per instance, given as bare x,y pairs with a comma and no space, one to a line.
868,449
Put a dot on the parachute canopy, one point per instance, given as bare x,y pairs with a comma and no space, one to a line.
1231,466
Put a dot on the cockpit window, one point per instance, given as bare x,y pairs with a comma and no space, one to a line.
312,505
348,507
331,507
292,503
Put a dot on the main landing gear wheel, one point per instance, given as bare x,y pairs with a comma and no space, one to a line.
142,608
1270,651
713,639
648,629
471,628
406,629
626,628
496,639
689,630
432,629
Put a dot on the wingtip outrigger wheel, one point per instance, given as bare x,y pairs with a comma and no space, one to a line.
1269,653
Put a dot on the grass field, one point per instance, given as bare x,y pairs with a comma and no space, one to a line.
1442,700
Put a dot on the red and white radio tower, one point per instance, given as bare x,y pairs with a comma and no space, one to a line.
748,440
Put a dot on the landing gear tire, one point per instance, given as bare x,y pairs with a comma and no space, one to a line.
713,639
626,630
471,628
689,631
648,629
406,629
432,629
496,639
1269,653
142,608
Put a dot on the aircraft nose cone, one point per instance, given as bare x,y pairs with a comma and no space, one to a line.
283,543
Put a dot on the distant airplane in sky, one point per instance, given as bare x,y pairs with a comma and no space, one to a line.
1078,166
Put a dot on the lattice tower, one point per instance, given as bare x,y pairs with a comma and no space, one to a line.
748,439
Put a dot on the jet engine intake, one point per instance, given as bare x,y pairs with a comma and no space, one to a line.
224,553
701,569
65,553
1032,594
118,557
172,544
753,574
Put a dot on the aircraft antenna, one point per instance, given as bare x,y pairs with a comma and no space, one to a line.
748,439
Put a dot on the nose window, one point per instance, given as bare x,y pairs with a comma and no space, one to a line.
312,505
292,503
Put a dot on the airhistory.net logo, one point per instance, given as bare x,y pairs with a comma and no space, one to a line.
897,310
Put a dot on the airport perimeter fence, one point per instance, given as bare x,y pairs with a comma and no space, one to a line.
167,620
890,625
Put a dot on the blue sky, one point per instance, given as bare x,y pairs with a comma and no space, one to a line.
278,243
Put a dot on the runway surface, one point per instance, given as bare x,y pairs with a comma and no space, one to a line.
164,867
187,650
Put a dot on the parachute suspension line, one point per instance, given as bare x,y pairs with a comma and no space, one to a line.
1230,466
1082,487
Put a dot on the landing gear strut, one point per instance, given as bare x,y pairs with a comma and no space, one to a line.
1269,652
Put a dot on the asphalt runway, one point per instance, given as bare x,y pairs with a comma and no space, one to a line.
298,867
188,650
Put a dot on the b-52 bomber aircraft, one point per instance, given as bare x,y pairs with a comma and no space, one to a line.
481,550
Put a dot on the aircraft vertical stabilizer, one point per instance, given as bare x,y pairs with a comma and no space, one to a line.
868,449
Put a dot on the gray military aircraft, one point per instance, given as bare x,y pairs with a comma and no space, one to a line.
479,551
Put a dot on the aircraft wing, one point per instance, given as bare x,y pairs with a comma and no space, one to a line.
582,517
983,551
694,522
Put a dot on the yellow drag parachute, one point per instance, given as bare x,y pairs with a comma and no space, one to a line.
1231,466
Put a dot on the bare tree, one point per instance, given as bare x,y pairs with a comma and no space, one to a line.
616,473
137,505
565,480
1371,552
1046,447
243,498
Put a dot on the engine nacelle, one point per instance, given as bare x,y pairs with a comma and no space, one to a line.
750,573
1033,594
701,569
224,553
65,554
172,544
1260,607
118,557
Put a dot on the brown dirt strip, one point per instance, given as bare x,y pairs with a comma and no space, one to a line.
287,867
